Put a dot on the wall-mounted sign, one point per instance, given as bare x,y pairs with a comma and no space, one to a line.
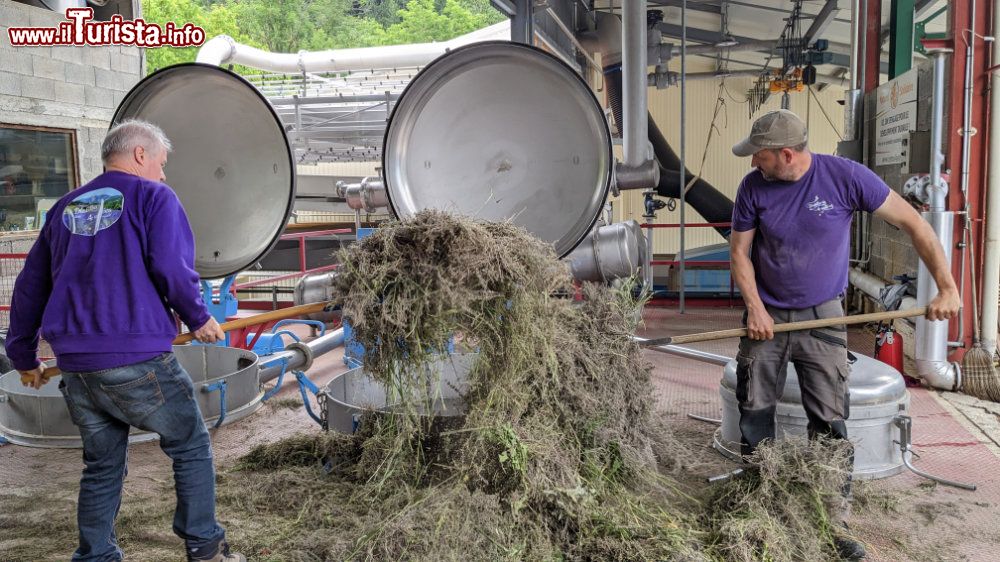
895,117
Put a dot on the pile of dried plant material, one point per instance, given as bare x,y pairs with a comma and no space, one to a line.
785,507
556,455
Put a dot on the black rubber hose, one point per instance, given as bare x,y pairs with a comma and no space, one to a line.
703,197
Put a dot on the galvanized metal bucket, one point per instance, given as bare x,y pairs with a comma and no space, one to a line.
39,418
878,395
355,391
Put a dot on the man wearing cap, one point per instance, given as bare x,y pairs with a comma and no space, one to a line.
790,248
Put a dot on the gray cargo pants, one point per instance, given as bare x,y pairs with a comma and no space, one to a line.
820,359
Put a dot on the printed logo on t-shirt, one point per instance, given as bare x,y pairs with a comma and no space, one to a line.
819,206
94,211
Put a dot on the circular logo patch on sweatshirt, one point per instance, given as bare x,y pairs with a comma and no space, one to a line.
94,211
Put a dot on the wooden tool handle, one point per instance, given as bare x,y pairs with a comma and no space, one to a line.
274,315
280,314
789,327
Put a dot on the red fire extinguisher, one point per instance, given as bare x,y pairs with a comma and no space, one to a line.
889,350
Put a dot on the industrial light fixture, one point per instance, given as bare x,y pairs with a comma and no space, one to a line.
728,41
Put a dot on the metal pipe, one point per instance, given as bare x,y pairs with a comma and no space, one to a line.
938,479
647,270
688,353
967,101
966,141
853,98
991,247
296,357
683,177
937,202
572,37
755,45
872,286
860,24
223,49
635,134
931,344
855,43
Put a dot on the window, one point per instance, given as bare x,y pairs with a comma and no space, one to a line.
37,166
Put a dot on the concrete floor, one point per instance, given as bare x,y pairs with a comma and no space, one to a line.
956,436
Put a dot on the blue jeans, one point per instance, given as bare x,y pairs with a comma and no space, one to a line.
157,396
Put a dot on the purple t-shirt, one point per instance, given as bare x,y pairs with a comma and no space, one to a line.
801,249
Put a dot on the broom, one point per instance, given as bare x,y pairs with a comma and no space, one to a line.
979,376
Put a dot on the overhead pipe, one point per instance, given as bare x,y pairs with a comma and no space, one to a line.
223,49
709,202
754,45
637,170
991,249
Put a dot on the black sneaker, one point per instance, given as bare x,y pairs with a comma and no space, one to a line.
849,549
222,554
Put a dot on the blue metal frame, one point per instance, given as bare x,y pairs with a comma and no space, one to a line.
226,307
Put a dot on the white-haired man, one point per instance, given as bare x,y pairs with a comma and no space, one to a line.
113,261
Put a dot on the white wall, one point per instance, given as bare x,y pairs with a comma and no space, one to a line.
721,168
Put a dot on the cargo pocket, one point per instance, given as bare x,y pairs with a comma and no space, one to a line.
829,338
744,379
844,390
137,398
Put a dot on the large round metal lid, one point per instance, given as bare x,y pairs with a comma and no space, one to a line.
231,165
499,131
871,382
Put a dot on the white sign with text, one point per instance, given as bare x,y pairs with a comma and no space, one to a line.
895,118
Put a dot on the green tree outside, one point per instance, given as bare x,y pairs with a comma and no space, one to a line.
293,25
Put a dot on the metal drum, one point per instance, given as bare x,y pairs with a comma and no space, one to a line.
501,131
353,392
878,394
39,418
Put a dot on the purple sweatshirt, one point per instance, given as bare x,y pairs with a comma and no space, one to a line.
112,260
801,247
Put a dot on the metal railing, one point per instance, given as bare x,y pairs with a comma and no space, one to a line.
13,251
272,282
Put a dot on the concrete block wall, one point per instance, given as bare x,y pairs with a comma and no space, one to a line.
66,87
892,252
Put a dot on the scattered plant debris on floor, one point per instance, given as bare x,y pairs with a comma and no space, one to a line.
556,453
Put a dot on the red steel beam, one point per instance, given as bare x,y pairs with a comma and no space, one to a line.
958,34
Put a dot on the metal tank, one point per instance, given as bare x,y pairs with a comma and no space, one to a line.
40,418
878,395
351,393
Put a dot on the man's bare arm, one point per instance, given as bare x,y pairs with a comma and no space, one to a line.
899,213
760,325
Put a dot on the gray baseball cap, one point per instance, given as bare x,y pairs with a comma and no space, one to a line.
776,129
